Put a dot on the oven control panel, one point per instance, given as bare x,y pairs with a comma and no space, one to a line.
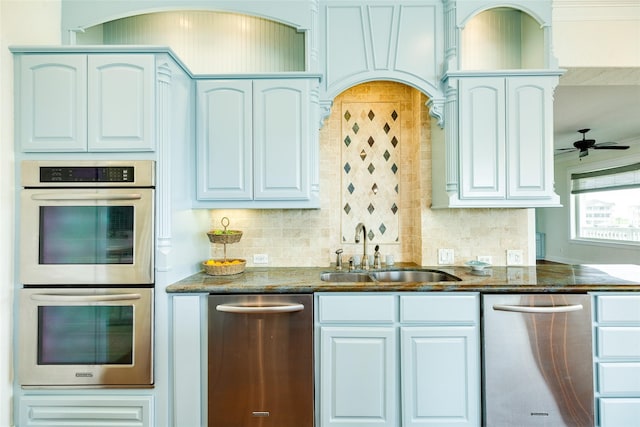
86,174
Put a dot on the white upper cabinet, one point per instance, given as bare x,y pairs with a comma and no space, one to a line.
224,140
496,149
51,102
505,140
80,102
256,146
281,140
121,102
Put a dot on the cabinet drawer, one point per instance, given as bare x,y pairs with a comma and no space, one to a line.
439,308
621,412
618,342
67,410
618,309
357,308
619,378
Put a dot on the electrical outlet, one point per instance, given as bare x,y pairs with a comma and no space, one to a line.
445,256
514,257
514,275
261,259
485,258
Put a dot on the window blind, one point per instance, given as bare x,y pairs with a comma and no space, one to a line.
618,178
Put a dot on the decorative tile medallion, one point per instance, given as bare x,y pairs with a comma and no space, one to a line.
370,178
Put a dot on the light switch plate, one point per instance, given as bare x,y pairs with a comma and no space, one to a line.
261,259
514,257
445,256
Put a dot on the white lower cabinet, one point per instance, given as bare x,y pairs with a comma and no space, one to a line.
437,376
359,380
621,412
189,359
86,411
617,359
398,360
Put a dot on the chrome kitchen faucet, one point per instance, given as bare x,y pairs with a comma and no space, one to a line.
365,259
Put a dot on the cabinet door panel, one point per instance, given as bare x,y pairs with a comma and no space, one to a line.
358,376
618,309
121,102
356,308
281,149
619,378
618,342
189,372
619,412
450,309
440,376
53,109
86,410
224,147
482,138
530,137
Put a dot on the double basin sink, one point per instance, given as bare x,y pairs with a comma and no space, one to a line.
418,275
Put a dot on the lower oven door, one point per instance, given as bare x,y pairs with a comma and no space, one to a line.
91,337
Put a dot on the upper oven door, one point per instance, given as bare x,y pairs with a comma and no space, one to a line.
86,236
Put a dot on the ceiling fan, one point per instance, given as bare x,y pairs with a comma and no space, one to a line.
583,145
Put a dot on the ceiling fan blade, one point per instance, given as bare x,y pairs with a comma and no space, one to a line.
566,149
606,144
585,142
610,147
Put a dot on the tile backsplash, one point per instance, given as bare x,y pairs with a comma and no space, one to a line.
414,233
371,149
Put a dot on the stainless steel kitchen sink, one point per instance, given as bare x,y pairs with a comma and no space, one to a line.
389,276
413,276
346,277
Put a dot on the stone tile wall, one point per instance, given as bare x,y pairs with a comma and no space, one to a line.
310,237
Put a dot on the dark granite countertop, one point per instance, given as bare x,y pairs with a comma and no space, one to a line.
540,278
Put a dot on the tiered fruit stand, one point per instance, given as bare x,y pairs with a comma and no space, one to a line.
224,267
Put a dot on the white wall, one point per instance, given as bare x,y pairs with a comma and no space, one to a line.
21,22
583,30
555,222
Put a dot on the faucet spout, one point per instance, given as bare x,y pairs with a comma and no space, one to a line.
360,228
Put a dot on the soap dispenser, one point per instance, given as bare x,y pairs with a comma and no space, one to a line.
376,258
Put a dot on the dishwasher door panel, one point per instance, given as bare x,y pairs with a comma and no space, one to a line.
260,361
538,368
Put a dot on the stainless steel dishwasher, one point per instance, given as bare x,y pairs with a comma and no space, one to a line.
260,360
538,368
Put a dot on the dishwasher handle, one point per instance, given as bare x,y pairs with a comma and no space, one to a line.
253,309
539,309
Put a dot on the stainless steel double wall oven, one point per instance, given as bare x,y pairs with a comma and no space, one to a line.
87,270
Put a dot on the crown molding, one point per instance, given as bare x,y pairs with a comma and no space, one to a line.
596,10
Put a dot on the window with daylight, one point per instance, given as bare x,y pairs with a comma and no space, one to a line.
606,205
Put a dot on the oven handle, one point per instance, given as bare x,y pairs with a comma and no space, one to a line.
85,298
286,308
86,196
541,309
